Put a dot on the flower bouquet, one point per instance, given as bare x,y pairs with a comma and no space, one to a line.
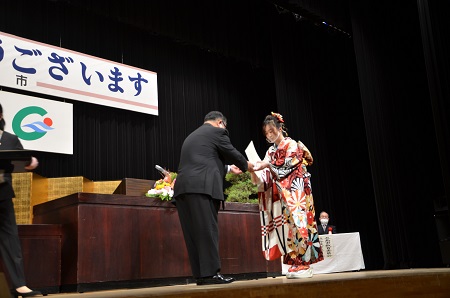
163,188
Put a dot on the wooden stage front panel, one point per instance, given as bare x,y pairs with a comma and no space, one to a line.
117,238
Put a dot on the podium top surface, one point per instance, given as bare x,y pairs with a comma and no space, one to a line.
116,200
16,154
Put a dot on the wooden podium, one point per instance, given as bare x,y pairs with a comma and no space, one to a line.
134,187
114,241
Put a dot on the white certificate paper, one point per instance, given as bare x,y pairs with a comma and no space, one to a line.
251,153
253,157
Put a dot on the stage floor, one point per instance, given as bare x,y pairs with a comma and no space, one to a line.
432,282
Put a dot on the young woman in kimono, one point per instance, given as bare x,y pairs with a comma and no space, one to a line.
286,201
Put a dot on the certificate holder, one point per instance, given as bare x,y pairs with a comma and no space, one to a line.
19,158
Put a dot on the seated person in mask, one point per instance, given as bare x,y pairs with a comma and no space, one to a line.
323,226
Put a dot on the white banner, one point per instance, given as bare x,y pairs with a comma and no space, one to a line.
40,124
38,67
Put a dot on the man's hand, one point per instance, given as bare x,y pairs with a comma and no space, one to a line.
235,170
250,166
33,164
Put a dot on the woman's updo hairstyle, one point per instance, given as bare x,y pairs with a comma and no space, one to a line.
276,120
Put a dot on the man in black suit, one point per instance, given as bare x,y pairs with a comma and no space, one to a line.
9,237
206,155
323,226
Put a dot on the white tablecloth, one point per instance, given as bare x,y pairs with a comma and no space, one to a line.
346,254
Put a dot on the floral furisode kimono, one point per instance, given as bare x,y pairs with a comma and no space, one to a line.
286,205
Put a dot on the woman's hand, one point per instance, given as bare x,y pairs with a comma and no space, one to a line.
259,165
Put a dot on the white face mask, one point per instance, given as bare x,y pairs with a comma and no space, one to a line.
324,221
274,139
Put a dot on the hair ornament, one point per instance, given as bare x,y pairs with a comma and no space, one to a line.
278,116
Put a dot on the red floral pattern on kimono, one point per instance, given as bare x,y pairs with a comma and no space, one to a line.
286,205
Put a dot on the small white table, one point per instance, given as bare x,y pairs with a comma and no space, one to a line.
343,253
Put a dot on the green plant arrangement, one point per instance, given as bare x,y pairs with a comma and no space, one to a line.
242,189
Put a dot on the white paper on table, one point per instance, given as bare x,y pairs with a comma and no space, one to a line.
252,156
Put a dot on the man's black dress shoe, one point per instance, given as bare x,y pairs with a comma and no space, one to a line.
27,294
214,280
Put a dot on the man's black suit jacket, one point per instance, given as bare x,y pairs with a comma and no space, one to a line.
204,154
8,142
321,231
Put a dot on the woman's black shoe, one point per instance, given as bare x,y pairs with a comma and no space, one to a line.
27,294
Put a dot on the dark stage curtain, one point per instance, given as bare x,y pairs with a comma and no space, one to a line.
231,28
435,28
400,130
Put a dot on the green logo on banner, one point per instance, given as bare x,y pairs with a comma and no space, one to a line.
37,133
